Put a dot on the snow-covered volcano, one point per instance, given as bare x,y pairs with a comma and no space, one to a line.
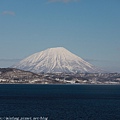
54,60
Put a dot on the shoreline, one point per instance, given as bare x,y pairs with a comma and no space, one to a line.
54,84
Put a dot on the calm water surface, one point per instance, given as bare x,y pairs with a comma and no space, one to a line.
61,102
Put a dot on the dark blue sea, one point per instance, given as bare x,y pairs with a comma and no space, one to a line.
60,102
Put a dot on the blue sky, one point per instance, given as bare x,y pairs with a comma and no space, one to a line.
88,28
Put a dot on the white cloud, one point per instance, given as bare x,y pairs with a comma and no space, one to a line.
8,13
64,1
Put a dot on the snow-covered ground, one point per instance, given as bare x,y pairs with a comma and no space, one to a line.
12,75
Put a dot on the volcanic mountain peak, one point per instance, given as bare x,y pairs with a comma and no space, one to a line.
55,60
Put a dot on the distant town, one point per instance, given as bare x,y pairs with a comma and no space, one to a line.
13,75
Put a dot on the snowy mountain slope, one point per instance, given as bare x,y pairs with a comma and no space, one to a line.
55,60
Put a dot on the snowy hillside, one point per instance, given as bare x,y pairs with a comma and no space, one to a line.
54,60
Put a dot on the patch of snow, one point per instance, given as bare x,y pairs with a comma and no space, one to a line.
55,60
